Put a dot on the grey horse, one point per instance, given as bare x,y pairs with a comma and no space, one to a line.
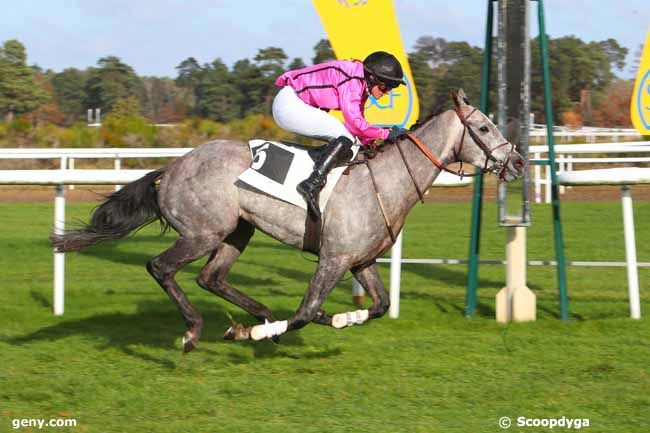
200,197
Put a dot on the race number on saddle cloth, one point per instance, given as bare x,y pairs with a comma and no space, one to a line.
278,167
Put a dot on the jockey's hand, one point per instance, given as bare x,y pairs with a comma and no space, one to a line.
395,133
370,151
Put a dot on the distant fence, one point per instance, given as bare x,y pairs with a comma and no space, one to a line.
566,161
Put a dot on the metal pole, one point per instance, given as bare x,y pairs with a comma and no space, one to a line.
548,112
71,167
630,253
59,258
395,274
538,187
118,166
477,197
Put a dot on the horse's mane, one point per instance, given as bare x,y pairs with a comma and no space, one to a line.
421,122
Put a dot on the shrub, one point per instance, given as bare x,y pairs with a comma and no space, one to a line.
20,126
127,131
80,135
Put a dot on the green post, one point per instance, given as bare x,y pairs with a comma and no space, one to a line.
477,198
557,225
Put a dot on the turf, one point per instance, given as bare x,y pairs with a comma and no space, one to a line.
113,361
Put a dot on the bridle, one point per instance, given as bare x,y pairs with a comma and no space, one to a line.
498,167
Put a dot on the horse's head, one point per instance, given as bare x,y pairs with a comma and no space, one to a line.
482,145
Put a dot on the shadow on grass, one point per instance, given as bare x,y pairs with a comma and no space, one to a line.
112,252
444,274
156,324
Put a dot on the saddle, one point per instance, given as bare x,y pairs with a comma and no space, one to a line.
278,167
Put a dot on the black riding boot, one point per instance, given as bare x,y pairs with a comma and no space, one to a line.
311,187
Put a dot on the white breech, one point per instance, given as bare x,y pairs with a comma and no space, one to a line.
292,114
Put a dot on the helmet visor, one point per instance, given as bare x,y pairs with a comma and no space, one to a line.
387,85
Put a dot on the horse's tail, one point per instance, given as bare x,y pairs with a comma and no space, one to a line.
133,206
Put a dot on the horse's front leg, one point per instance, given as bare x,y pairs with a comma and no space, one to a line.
369,278
329,272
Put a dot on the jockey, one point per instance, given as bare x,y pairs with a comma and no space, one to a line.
309,93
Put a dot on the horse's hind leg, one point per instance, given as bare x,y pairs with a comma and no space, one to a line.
164,268
215,272
369,278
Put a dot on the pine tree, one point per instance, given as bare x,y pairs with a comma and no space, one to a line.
19,92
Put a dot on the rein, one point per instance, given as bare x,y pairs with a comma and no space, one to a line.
497,167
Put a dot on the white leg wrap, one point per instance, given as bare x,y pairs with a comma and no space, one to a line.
268,330
350,318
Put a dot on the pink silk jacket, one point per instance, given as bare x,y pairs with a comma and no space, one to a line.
336,85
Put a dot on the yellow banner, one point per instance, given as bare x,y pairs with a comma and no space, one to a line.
355,29
640,103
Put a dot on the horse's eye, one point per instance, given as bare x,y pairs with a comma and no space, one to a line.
484,129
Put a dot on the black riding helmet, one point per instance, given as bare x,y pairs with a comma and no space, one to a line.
383,67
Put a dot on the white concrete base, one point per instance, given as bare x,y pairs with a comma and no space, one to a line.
516,302
518,305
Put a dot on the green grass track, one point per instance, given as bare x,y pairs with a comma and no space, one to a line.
113,361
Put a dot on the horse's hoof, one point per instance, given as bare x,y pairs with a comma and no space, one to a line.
229,334
237,332
188,342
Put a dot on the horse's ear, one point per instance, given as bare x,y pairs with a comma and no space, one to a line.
458,102
459,98
461,94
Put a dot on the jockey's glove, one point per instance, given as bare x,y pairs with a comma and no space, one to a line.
395,133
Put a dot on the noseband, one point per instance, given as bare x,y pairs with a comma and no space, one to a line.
498,166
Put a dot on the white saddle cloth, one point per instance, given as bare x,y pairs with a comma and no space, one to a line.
277,169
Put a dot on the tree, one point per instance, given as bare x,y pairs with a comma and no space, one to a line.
217,97
127,107
323,52
433,50
270,62
297,63
166,101
613,109
250,84
423,76
19,92
49,112
615,53
576,66
189,73
110,81
636,61
70,94
439,66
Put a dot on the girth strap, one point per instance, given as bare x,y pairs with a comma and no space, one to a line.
312,237
381,204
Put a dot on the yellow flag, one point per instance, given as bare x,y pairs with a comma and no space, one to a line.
355,29
640,103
